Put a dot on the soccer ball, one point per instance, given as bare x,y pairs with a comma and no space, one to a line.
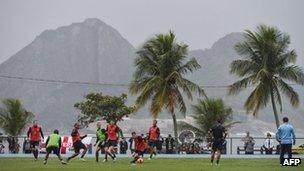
140,160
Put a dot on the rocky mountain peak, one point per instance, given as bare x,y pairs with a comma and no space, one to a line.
93,22
229,40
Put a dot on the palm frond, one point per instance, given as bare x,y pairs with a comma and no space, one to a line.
13,117
277,94
207,112
243,67
257,99
181,103
189,66
186,126
289,92
292,73
240,85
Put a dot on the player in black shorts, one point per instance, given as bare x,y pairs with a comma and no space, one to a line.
218,134
77,144
101,137
53,145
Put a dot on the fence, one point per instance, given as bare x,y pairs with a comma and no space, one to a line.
234,145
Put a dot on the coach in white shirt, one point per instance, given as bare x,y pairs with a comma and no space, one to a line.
268,144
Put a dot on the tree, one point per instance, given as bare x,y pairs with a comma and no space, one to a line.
103,107
159,77
267,65
14,118
206,113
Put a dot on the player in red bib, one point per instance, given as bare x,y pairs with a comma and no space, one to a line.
154,134
35,134
77,144
113,135
140,148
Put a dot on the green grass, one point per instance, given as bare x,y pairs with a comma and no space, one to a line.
158,164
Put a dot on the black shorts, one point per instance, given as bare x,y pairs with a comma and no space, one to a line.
34,144
152,143
111,143
101,145
55,150
78,145
140,153
217,145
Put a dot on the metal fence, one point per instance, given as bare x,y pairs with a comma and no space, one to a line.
234,145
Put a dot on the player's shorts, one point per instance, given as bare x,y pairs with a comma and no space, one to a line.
112,143
101,145
34,144
55,150
78,145
152,143
217,144
140,153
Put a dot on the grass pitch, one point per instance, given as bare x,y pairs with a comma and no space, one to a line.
157,164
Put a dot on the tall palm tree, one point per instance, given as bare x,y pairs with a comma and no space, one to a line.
206,113
159,77
267,65
14,118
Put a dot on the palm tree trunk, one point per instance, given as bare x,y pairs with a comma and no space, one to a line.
275,110
176,144
175,126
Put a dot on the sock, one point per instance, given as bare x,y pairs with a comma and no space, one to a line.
111,156
97,156
36,154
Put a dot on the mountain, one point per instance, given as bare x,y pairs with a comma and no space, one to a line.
92,51
80,52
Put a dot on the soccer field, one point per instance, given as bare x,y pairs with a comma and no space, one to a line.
158,164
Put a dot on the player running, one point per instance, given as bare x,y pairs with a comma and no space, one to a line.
154,134
140,147
113,135
101,137
35,134
77,144
218,134
53,144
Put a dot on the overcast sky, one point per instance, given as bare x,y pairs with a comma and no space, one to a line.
198,23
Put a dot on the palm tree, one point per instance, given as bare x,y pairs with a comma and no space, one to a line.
14,118
206,113
159,77
267,65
